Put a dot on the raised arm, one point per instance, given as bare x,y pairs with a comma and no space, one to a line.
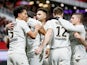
69,26
45,41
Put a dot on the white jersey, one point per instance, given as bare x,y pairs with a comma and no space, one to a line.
61,29
32,44
77,48
18,39
60,35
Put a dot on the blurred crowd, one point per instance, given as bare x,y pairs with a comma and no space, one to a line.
6,14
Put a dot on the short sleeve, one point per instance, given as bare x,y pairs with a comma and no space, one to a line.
48,24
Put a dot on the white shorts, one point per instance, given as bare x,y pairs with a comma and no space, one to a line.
17,59
79,59
79,62
79,56
60,56
34,59
45,62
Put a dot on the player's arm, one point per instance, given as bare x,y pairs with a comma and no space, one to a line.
34,33
45,41
8,26
69,26
28,31
42,31
7,41
47,38
6,38
81,40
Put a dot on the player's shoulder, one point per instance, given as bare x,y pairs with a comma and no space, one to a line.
61,19
20,22
51,21
80,26
33,20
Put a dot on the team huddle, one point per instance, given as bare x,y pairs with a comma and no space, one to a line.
38,41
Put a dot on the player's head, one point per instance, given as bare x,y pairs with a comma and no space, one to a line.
31,14
42,14
76,18
20,12
58,11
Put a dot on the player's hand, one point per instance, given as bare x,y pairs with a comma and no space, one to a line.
7,40
77,35
38,26
10,26
38,50
47,52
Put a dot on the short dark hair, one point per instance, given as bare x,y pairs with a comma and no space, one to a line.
31,14
58,10
80,15
45,11
17,10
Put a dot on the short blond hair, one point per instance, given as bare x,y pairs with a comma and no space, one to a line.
79,15
58,10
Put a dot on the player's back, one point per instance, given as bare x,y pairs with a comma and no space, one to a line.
60,35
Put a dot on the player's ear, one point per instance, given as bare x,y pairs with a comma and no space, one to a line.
53,15
62,14
19,14
79,20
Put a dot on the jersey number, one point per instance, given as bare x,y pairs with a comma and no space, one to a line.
58,34
11,34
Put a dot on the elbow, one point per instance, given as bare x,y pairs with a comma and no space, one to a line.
50,34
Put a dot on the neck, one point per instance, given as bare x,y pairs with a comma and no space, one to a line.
58,16
43,22
19,18
78,23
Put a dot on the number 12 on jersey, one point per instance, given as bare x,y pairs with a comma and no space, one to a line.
61,32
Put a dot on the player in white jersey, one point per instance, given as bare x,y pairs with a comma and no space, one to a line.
33,44
16,52
58,28
42,15
79,55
